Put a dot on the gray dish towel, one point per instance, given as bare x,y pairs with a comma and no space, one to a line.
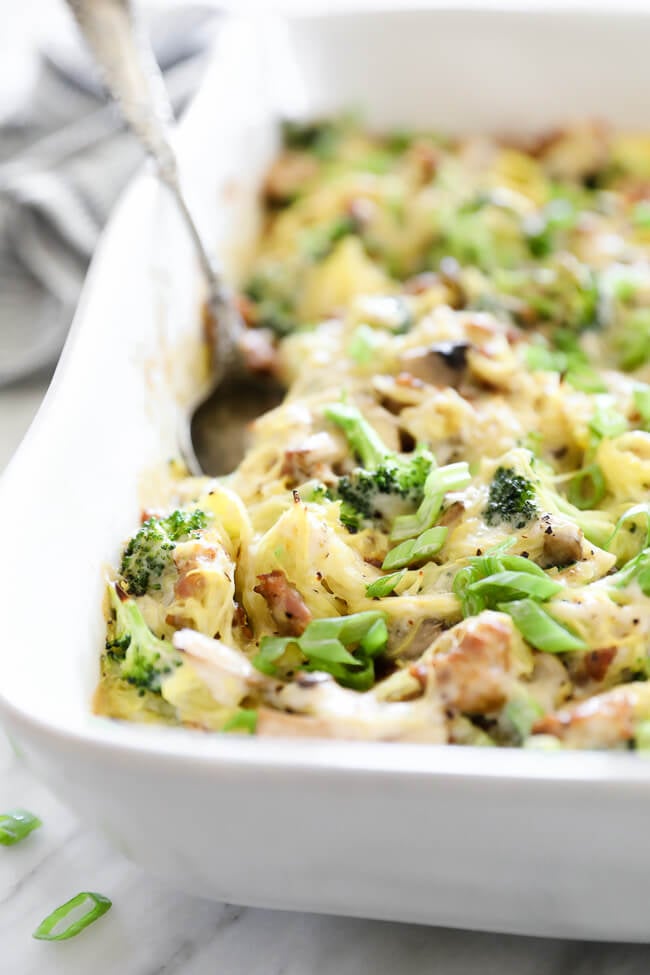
64,157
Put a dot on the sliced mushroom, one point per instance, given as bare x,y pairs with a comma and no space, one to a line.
562,544
443,364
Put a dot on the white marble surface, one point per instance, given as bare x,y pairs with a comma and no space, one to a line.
153,930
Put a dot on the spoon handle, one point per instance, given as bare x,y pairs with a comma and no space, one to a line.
134,79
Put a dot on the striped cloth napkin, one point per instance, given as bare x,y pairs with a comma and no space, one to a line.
64,157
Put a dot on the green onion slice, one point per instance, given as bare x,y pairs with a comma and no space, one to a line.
472,603
641,398
629,538
522,713
72,917
16,825
385,585
642,736
364,344
452,477
245,720
271,649
513,585
587,487
324,645
518,563
637,570
540,629
586,379
607,423
415,551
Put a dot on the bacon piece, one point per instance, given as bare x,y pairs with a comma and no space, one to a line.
596,663
285,602
240,620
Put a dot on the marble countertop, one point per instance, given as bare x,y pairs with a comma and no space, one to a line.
154,930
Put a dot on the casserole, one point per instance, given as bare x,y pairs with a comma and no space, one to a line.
520,842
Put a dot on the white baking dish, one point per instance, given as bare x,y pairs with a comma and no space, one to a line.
501,840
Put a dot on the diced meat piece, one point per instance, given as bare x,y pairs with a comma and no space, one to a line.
246,308
361,210
287,607
425,158
241,621
577,153
311,458
603,721
191,582
259,351
595,664
473,674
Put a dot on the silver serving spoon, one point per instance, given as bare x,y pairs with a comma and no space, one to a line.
213,437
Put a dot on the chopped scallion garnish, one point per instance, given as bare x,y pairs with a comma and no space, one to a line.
343,646
72,917
415,551
364,343
16,825
627,532
641,398
453,477
385,585
540,629
587,487
606,424
522,713
513,585
245,719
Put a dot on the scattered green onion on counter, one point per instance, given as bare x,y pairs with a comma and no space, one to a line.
16,825
68,920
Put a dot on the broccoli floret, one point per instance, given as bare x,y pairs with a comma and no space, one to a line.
320,138
144,659
361,436
511,499
387,484
396,485
562,292
149,552
272,289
